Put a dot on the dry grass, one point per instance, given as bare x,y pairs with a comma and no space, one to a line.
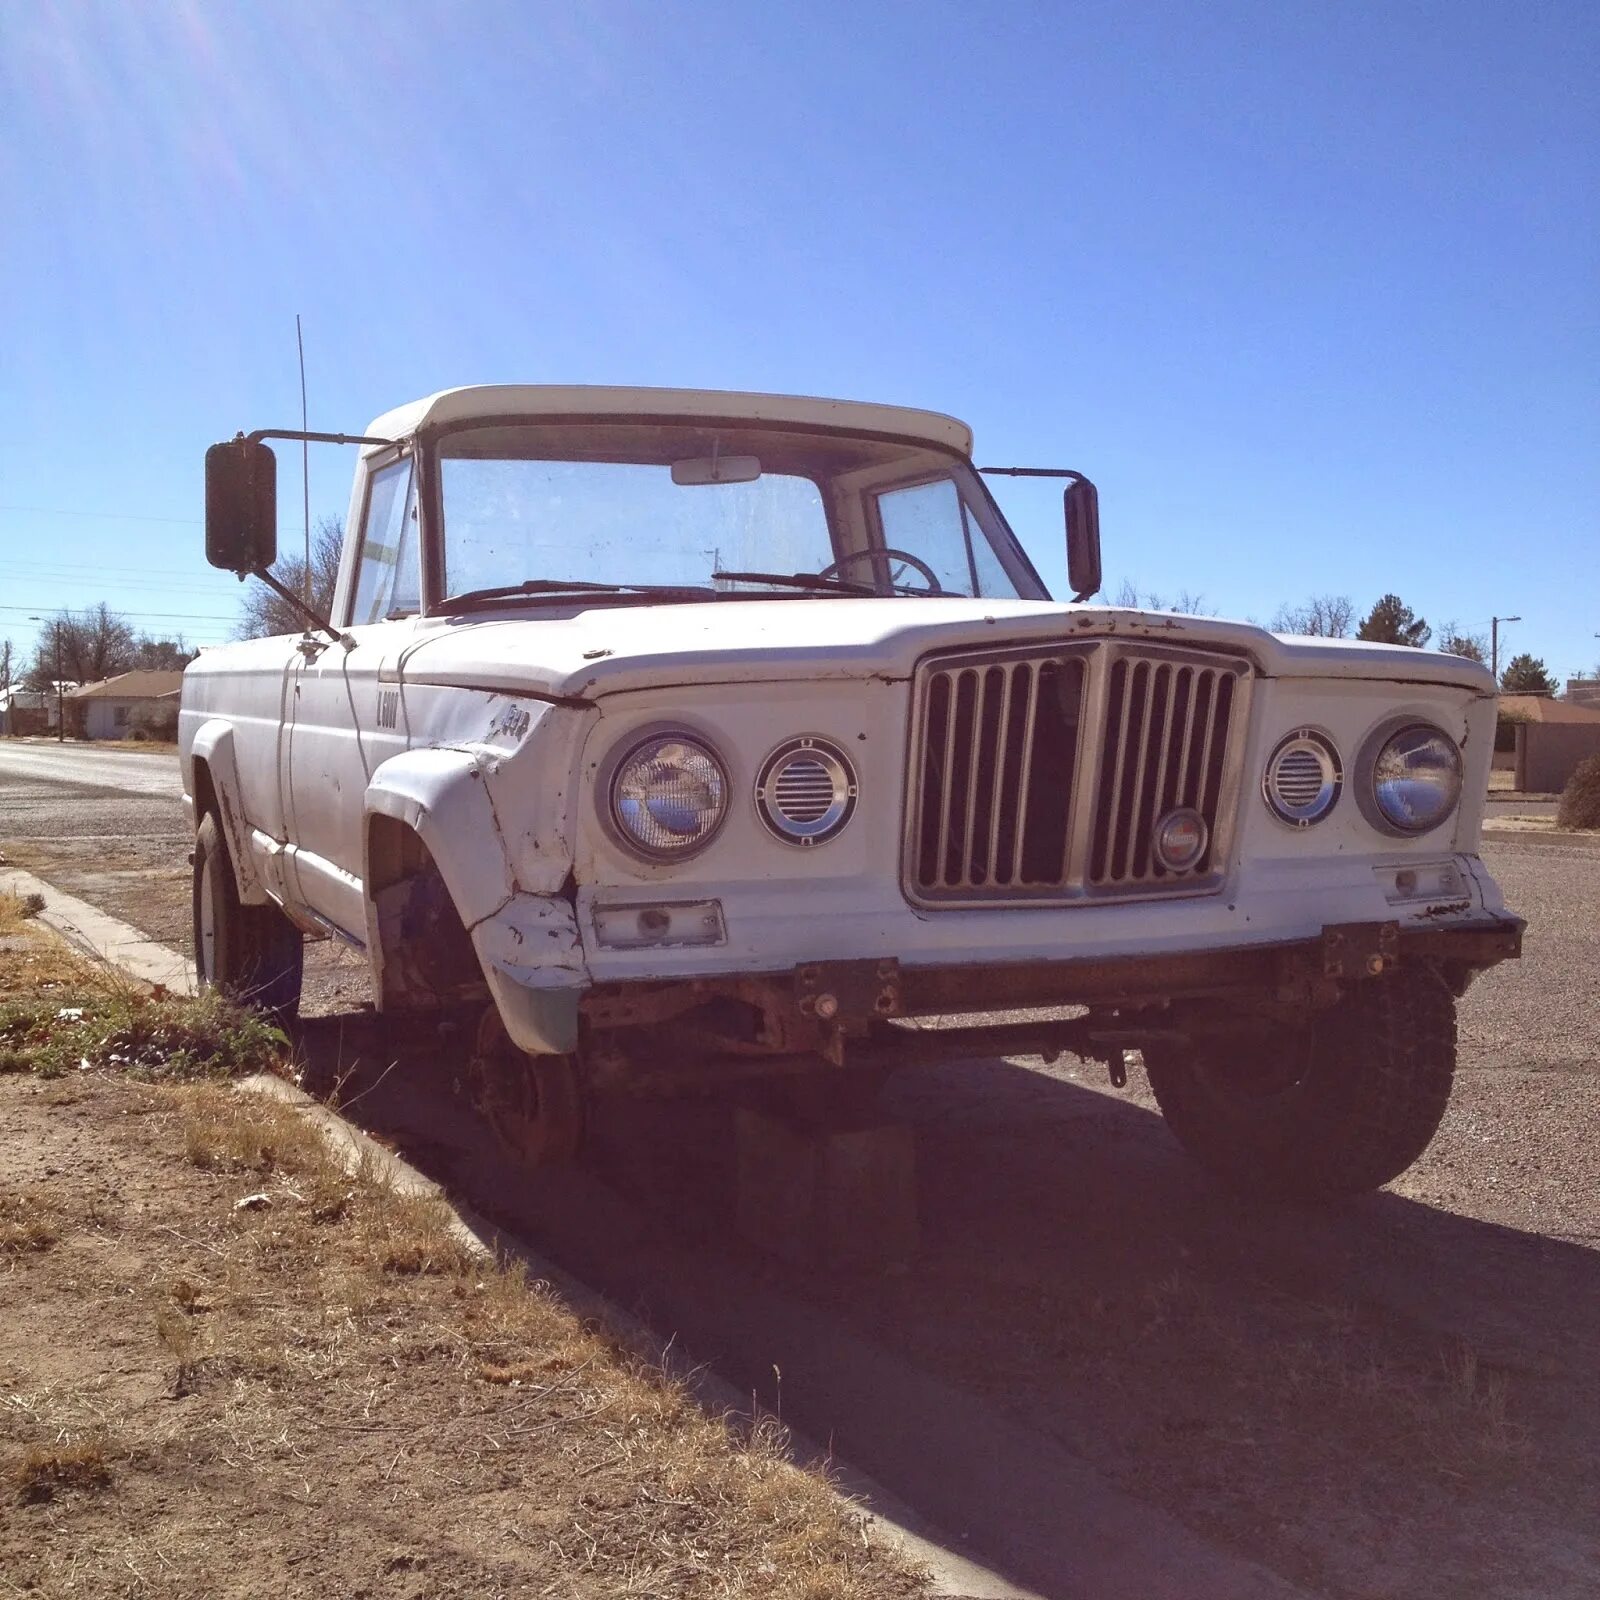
328,1307
28,1223
387,1288
16,910
46,1469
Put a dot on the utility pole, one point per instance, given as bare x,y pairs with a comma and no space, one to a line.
61,712
1494,648
61,715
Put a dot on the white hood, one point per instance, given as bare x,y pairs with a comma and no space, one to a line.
602,650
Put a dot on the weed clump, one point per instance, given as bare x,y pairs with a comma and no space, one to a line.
1580,800
160,1037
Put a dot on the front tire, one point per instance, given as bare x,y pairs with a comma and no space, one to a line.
1333,1109
534,1105
251,954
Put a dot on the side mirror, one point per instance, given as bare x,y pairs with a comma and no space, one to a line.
1081,506
241,505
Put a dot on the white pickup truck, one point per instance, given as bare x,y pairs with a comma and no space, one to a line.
693,737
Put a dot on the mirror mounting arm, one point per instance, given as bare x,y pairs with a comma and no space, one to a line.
1081,504
313,438
286,593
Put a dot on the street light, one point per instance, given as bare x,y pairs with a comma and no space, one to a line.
61,715
1494,648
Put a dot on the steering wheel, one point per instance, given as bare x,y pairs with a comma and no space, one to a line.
905,558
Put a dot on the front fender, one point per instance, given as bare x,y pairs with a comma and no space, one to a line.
442,795
527,944
532,957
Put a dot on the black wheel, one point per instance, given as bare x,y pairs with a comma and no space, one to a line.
1336,1108
534,1105
252,954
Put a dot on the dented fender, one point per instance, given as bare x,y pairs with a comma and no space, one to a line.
442,795
531,955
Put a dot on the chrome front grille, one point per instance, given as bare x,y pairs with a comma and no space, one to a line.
1040,775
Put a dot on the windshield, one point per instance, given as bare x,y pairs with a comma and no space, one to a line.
724,509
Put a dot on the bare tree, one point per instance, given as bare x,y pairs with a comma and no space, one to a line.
162,655
1323,616
88,645
266,613
1185,601
1454,642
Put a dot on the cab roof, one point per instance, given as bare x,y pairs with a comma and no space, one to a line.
536,401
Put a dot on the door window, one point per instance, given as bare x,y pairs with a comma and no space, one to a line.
934,521
387,573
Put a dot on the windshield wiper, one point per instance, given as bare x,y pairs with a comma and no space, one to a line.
799,580
533,586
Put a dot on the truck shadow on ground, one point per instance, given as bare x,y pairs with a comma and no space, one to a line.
1379,1398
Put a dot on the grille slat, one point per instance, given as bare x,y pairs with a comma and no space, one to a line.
1005,764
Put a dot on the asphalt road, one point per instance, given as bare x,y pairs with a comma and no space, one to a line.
80,766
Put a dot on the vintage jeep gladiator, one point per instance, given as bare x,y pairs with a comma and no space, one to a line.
692,738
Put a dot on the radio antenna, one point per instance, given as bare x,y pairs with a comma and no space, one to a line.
305,458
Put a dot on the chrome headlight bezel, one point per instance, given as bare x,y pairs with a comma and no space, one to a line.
1303,742
653,743
1377,748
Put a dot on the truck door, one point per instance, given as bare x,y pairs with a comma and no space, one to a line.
346,719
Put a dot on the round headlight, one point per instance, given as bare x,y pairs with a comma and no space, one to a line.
668,796
1303,778
1415,776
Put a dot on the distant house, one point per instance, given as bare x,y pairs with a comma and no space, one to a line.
1584,691
118,707
26,711
1546,708
1549,738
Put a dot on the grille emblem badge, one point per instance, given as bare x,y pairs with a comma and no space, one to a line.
1181,837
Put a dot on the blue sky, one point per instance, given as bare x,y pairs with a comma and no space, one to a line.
1312,292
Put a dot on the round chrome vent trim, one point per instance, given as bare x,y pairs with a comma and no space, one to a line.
806,791
1304,778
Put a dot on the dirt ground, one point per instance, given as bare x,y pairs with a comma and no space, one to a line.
229,1369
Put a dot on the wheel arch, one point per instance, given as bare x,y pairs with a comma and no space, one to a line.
442,883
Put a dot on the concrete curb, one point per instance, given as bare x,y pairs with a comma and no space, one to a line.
1585,840
109,941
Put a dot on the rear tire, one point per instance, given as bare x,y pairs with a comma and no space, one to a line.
1333,1109
251,954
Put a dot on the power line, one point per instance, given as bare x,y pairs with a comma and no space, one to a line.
103,516
167,616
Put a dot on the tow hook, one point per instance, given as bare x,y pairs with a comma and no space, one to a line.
1117,1065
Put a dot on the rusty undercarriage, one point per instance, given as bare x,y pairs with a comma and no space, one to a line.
879,1014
